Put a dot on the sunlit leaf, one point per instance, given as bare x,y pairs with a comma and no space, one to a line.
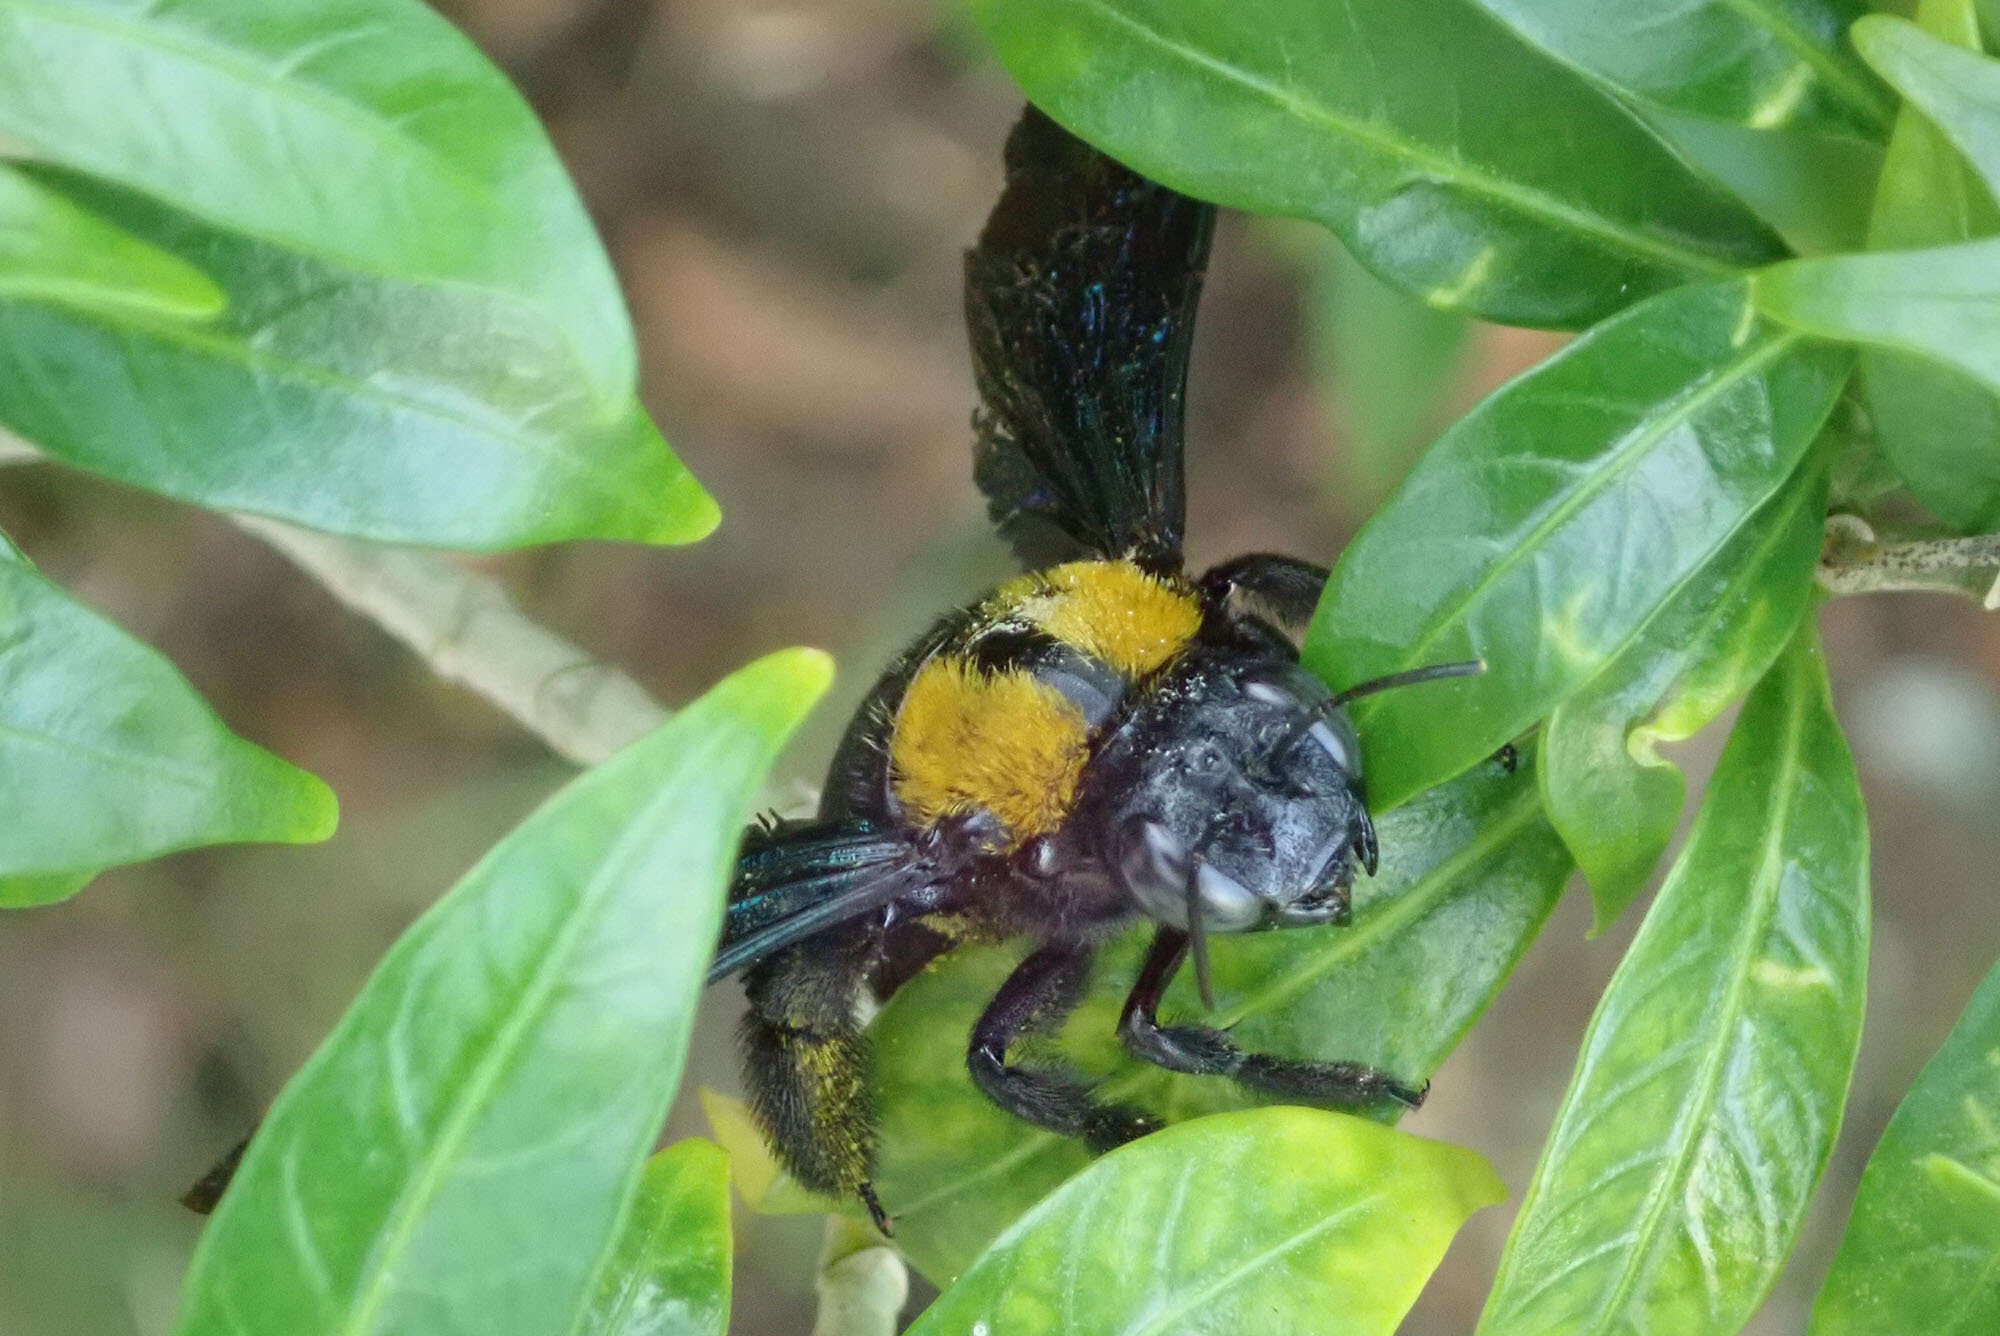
669,1274
1760,63
1454,160
1715,1069
1213,1227
1922,1248
1549,525
1469,874
459,1153
108,756
369,406
1941,432
1610,793
51,250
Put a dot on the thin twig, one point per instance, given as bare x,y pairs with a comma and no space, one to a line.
862,1282
468,630
1855,561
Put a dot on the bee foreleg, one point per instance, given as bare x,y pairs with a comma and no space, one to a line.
1201,1051
1288,587
1043,990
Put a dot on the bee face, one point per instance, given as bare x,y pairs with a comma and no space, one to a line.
1231,793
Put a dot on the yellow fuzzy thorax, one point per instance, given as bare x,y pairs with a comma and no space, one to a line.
966,739
1111,610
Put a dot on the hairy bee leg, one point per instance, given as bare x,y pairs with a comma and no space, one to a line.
1287,586
1045,988
1201,1051
806,1062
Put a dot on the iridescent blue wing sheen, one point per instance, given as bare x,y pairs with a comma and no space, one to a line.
1079,301
798,878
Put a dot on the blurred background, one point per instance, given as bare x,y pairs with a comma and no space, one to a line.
786,190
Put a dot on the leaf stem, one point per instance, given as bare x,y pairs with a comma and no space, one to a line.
467,629
862,1282
1856,561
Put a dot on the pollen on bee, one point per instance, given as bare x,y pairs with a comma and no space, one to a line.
966,739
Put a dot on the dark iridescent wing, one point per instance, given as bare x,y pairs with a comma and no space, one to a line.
803,877
1080,301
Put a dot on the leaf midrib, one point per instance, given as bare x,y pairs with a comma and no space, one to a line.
1834,74
1526,199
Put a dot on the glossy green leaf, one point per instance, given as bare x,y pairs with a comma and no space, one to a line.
1940,431
369,406
1761,63
108,756
1715,1069
669,1273
1549,525
54,251
366,132
1943,76
1922,1247
1469,874
1812,187
1607,789
1390,364
1454,160
1282,1222
459,1153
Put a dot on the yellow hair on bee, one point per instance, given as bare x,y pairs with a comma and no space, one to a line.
966,739
1111,610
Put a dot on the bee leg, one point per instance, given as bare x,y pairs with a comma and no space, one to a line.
806,1061
1045,988
1201,1051
1288,587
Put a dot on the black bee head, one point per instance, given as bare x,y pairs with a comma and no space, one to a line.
1229,798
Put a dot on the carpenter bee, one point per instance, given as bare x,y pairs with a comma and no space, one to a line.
1105,739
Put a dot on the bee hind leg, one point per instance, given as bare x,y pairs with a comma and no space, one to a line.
1044,989
1199,1050
806,1062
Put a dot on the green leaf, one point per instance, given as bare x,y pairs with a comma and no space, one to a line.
1923,1245
1939,431
459,1153
1762,63
52,250
669,1273
1547,527
1454,161
369,406
1213,1226
1391,364
108,756
1953,85
1469,874
366,132
1812,188
1715,1069
1607,789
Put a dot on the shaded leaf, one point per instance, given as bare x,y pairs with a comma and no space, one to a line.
1469,874
1607,789
1923,1244
669,1273
1715,1069
54,251
458,1154
366,132
368,406
108,756
1940,431
1812,188
1211,1227
1455,161
1549,525
1761,63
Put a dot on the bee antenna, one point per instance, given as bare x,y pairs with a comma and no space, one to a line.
1198,936
1409,678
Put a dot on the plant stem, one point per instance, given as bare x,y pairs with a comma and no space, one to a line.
1855,561
467,629
862,1282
